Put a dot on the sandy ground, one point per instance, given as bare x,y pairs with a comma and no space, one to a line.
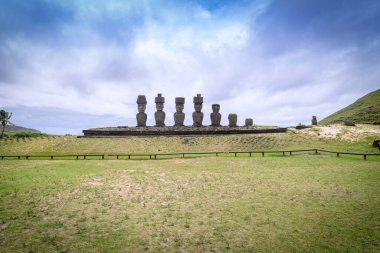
348,133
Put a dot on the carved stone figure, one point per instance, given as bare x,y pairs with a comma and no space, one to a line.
314,121
141,106
179,116
248,122
159,115
215,115
198,114
232,119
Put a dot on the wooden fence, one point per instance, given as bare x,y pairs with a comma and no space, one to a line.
184,154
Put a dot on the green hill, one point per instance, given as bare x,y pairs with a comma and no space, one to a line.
14,128
365,110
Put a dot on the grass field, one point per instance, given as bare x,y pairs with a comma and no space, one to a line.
300,203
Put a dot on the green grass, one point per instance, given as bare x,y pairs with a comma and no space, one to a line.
28,134
304,202
307,203
365,110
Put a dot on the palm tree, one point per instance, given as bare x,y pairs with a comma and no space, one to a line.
4,118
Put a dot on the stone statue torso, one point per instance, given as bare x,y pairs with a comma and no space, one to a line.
141,119
232,118
159,116
215,118
179,118
197,119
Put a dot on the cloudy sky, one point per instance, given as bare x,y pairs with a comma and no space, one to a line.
72,65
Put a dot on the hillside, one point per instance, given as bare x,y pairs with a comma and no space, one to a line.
14,128
365,110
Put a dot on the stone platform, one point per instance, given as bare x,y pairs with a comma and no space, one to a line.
171,130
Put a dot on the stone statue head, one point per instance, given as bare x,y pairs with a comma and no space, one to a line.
215,108
248,122
198,107
141,108
198,101
159,100
179,104
141,103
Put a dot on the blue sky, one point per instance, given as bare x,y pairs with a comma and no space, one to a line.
71,65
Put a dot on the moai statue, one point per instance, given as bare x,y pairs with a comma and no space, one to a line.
232,119
314,121
248,122
215,115
159,115
141,116
198,114
179,116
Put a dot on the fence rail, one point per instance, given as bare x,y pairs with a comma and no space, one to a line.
184,154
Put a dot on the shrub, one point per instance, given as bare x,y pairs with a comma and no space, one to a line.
28,134
348,123
302,126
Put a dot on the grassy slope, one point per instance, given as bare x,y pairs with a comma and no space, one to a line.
308,138
364,110
13,128
271,204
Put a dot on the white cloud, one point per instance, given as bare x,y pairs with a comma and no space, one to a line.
182,52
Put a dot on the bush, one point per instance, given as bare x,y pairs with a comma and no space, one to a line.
348,123
302,126
28,134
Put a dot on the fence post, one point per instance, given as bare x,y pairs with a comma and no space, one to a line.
262,153
155,157
77,157
283,153
235,154
290,152
51,157
216,153
316,151
150,156
129,156
250,154
337,154
84,157
27,157
183,155
117,156
102,156
365,157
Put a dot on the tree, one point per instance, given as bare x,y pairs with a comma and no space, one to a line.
4,118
